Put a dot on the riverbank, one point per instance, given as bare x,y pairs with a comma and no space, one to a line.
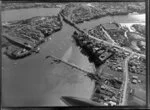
29,33
116,33
35,81
108,60
78,13
139,28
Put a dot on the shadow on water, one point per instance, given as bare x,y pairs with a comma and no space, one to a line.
88,53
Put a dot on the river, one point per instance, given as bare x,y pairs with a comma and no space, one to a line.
36,81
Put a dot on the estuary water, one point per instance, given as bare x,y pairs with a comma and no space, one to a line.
36,81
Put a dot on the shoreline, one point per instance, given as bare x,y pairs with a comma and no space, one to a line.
63,18
80,13
16,6
26,8
102,16
85,78
21,53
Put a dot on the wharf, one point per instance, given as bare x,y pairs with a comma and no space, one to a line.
18,42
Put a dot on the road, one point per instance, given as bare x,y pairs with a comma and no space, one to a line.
125,65
100,40
126,76
122,48
112,41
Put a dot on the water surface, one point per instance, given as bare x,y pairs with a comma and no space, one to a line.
36,81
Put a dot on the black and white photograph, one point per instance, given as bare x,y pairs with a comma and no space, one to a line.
56,54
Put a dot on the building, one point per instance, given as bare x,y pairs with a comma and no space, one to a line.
139,81
104,56
114,99
106,104
95,49
135,77
99,52
134,81
126,53
135,56
112,103
119,68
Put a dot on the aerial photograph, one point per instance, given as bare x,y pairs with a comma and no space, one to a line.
73,54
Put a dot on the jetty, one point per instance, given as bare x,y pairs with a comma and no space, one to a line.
18,42
69,64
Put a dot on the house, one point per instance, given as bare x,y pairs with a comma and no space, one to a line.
106,104
102,87
104,56
119,68
100,52
126,53
135,56
135,77
134,81
95,49
114,99
112,103
139,81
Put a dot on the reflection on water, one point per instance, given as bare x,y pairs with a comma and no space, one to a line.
140,17
67,54
35,81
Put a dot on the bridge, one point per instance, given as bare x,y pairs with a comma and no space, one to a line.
70,64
